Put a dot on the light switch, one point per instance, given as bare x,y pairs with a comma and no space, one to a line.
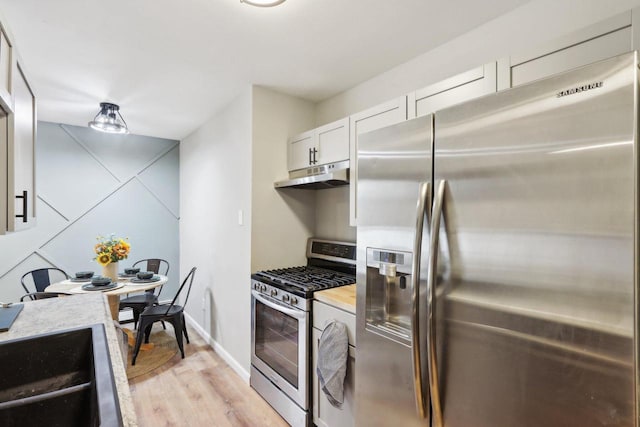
240,217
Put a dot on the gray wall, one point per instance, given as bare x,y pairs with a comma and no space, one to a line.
91,184
228,167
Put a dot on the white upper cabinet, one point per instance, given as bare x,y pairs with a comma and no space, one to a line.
320,146
333,142
300,153
454,90
603,40
389,113
21,193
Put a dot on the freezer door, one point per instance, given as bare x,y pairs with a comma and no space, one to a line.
394,175
535,315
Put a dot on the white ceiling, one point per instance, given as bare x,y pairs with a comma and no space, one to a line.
171,64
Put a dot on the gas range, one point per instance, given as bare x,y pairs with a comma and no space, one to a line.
329,264
281,325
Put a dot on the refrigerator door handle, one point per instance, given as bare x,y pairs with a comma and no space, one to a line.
422,210
431,304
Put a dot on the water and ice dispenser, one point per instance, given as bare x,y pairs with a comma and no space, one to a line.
389,292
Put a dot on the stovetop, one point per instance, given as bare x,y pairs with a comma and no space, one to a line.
305,280
329,264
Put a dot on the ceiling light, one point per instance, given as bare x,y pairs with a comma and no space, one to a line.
263,3
109,119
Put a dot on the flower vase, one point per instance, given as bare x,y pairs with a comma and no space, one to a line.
111,271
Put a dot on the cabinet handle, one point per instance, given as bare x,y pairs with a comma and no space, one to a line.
310,161
24,206
315,151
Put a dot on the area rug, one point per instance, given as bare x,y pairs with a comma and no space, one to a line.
150,357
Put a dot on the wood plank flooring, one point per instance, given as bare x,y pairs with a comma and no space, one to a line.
199,390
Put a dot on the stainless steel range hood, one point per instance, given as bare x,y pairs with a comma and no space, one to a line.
318,177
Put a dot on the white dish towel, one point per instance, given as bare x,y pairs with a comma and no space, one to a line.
333,353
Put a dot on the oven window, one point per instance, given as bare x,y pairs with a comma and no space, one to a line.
277,341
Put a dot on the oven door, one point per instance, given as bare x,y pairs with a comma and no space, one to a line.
279,346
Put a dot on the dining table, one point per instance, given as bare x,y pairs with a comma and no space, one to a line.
126,284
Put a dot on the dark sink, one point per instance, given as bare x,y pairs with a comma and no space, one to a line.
58,379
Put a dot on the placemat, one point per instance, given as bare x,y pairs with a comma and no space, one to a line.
8,315
79,290
153,279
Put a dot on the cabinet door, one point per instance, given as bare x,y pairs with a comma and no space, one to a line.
21,153
324,414
333,142
386,114
300,153
460,88
6,64
603,40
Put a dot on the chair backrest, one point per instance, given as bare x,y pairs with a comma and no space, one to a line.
157,265
41,278
188,279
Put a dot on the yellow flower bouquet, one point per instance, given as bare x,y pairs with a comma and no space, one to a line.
111,250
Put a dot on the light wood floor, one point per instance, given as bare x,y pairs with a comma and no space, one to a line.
199,390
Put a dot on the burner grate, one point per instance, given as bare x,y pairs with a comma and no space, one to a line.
308,278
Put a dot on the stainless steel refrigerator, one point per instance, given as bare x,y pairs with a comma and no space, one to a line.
497,265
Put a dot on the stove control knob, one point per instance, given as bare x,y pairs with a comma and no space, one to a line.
285,297
256,286
294,300
274,292
263,288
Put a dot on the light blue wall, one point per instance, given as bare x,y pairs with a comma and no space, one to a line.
91,184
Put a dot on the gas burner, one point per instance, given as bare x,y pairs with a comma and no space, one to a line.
308,278
329,264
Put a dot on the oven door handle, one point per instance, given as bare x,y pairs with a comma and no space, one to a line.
298,314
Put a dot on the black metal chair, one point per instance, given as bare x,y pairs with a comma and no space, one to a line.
41,295
171,313
139,302
41,278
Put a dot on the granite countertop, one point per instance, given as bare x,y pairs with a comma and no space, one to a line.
55,314
343,297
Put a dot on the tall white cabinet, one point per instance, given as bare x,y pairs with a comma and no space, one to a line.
21,186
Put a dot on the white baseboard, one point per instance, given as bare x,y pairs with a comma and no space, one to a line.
233,363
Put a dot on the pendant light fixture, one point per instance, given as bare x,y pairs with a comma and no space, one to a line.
263,3
109,119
